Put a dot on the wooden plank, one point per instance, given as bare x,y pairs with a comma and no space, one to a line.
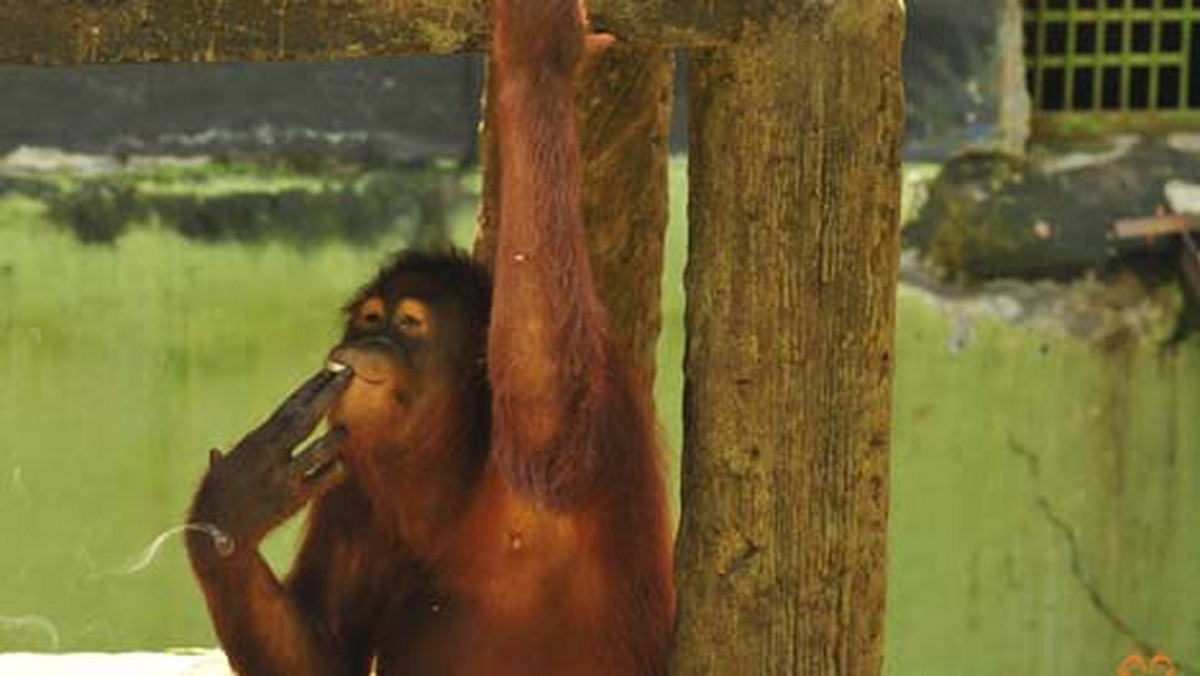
792,269
1153,227
70,32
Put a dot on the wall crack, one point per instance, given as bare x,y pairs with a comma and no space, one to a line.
1091,590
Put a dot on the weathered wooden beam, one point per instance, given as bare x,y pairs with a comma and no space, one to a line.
70,32
1154,227
792,270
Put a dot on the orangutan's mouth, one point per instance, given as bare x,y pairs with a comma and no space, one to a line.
337,367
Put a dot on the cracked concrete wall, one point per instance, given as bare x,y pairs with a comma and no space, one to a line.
1045,492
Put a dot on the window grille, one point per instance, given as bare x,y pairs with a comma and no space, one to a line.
1113,63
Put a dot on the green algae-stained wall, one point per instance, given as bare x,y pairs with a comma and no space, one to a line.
119,367
1046,497
1040,482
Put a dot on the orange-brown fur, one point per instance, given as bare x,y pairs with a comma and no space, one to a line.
507,524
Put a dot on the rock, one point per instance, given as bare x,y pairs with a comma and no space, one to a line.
991,215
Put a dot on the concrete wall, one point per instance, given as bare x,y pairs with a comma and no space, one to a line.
1045,484
389,111
384,110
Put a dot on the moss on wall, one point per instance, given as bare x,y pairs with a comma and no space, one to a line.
253,202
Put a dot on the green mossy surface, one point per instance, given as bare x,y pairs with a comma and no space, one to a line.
251,203
990,215
1044,493
973,215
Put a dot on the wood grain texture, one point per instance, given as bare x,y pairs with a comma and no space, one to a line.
793,262
67,32
623,103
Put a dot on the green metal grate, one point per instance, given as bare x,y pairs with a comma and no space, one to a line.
1123,63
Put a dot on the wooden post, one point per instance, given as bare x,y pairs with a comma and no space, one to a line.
624,103
624,111
793,263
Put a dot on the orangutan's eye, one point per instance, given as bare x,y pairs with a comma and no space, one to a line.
412,318
370,314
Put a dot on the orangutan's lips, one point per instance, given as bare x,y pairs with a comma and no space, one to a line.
338,367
